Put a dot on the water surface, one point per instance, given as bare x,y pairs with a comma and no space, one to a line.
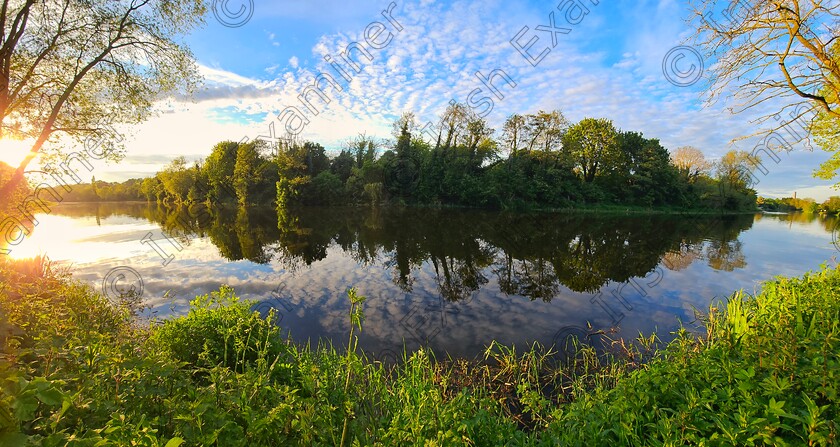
451,279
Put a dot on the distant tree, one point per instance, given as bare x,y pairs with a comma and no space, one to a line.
177,180
732,169
316,158
406,122
150,188
247,171
545,130
594,145
218,169
326,189
453,126
363,149
200,184
734,174
374,193
403,172
690,162
831,206
514,133
478,134
342,165
95,188
654,178
297,165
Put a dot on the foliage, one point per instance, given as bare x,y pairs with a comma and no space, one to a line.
690,162
766,373
70,70
734,173
788,204
76,370
220,331
16,196
831,206
826,131
548,164
594,145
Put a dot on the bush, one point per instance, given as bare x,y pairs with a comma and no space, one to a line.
221,330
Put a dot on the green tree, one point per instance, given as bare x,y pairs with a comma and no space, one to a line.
734,174
248,172
594,145
545,130
831,206
514,134
654,180
177,179
218,169
67,67
95,188
342,166
200,184
403,171
150,188
826,131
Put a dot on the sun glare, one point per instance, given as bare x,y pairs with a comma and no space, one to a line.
12,151
62,238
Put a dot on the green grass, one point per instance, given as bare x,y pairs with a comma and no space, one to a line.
77,370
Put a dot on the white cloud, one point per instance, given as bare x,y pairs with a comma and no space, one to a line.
434,59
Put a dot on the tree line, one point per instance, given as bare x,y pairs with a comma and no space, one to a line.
539,160
831,206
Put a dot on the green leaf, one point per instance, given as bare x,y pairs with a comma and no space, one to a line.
16,439
174,442
51,396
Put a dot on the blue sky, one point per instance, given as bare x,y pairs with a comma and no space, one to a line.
608,65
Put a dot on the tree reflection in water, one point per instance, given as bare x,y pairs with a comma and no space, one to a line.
531,255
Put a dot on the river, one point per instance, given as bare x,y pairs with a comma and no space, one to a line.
451,279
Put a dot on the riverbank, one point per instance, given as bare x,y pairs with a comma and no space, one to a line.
75,368
581,209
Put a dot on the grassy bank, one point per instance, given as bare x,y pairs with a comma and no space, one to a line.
77,370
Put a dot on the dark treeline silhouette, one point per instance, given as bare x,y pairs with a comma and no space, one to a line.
537,161
532,255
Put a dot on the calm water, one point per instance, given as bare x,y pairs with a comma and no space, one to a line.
452,279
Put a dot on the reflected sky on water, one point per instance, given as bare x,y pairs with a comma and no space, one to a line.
452,279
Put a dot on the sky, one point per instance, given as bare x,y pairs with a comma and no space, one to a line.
606,60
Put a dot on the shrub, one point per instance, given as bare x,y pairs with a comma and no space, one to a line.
222,330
